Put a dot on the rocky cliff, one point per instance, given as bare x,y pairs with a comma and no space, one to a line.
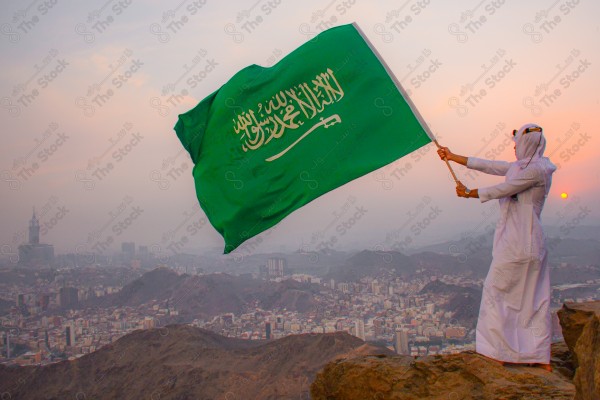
461,376
580,324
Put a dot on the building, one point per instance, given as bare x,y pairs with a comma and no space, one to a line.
455,332
274,268
6,343
359,329
430,307
34,252
148,323
268,330
68,297
43,301
343,287
128,249
136,264
70,335
401,342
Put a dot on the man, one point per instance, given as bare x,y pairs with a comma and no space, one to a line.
514,323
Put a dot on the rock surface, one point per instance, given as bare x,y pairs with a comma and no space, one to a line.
580,324
465,375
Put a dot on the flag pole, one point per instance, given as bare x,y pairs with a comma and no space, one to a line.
405,96
446,160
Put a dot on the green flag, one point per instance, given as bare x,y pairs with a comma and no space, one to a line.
271,140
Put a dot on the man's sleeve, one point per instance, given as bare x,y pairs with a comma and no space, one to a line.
524,181
488,166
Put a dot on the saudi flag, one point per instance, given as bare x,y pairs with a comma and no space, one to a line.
271,140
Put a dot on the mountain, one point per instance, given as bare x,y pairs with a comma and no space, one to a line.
244,260
468,262
184,362
579,250
25,276
203,296
573,231
373,263
463,302
395,264
574,251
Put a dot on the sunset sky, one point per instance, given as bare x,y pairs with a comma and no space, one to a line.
90,92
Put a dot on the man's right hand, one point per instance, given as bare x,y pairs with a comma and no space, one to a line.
445,153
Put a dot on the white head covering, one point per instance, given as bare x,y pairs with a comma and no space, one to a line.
530,145
529,150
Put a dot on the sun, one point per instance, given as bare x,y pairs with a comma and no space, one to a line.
564,195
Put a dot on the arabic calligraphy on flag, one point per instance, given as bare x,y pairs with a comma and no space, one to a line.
289,109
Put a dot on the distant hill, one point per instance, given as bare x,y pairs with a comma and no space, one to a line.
244,260
396,264
576,232
373,263
575,250
202,296
463,303
184,362
25,276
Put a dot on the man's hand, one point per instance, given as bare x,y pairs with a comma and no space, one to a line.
460,189
445,153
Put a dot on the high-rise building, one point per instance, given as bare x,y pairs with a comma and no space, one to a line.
401,342
375,287
43,301
268,330
34,230
70,335
128,248
274,268
68,297
279,322
34,252
359,329
6,343
343,287
430,307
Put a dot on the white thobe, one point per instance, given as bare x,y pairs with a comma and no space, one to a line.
514,323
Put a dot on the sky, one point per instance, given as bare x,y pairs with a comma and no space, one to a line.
90,92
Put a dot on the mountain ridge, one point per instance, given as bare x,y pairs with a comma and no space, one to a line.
185,362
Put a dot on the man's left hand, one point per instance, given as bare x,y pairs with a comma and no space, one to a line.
460,189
